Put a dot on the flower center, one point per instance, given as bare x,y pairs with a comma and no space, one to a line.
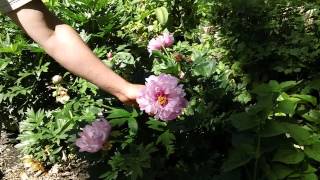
162,100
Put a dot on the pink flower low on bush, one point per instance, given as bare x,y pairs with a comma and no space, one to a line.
109,55
162,97
155,44
168,39
163,41
93,137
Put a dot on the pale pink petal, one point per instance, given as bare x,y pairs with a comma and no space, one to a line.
172,97
93,136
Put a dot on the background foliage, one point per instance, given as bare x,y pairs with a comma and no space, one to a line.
250,69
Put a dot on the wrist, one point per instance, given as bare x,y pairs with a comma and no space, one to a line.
129,93
122,91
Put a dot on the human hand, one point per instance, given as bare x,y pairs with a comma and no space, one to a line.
129,93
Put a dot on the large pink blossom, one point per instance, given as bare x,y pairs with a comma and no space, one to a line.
93,137
163,41
162,97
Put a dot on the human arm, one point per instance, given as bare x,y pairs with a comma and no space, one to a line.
64,44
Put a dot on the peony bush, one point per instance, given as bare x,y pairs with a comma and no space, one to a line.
231,90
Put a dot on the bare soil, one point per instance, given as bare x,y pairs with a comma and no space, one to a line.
12,166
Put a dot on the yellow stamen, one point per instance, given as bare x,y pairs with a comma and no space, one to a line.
162,100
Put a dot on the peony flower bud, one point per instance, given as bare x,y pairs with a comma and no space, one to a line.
56,79
109,55
182,75
168,39
208,29
178,57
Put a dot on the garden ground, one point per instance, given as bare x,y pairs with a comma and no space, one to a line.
13,166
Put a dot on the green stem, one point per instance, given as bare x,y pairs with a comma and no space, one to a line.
257,156
165,51
94,5
247,171
1,125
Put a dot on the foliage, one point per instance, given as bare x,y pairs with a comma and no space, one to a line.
47,135
250,69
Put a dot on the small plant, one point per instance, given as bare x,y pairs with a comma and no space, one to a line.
43,137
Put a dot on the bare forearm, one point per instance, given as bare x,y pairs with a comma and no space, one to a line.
64,44
66,47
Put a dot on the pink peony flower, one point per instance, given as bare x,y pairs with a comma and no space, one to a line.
155,44
168,39
93,137
109,55
162,97
163,41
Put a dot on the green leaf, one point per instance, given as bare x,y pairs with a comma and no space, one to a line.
204,69
288,85
118,113
110,175
266,89
272,128
314,84
313,116
312,176
237,157
134,113
300,134
313,151
304,176
288,106
123,59
156,124
164,64
202,64
57,150
244,141
63,126
310,169
281,171
118,121
306,98
288,155
24,143
244,97
231,175
244,121
162,15
133,126
167,139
